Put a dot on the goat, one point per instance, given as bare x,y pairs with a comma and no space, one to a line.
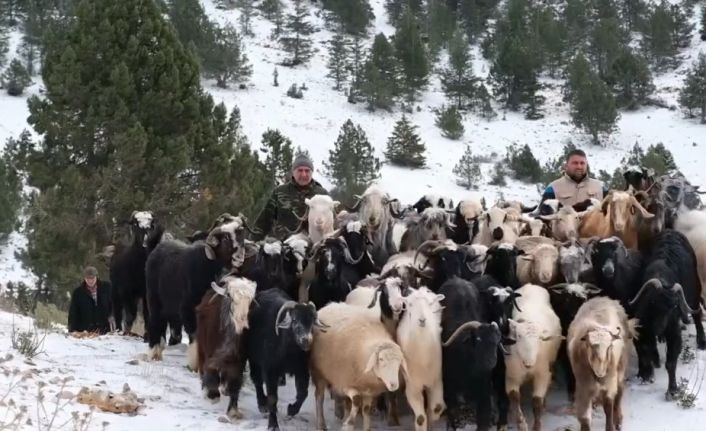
386,298
446,259
500,225
413,231
178,275
221,317
535,227
598,345
470,353
127,271
638,177
692,224
537,331
433,201
375,210
336,272
564,224
539,265
356,357
502,264
670,291
614,218
273,265
466,221
616,270
282,334
419,337
319,216
573,261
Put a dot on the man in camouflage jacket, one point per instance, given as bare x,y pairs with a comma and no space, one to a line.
279,216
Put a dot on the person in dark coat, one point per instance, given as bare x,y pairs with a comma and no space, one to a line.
91,306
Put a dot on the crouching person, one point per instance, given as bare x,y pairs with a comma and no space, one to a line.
91,306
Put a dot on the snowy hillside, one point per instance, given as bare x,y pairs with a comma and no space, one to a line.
172,394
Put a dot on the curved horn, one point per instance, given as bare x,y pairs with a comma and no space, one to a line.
558,287
245,225
347,253
315,249
211,239
425,246
473,324
616,334
652,282
677,288
592,288
643,211
286,306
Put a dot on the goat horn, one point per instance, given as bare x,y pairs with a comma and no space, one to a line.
643,211
592,288
652,282
246,226
473,324
616,334
347,253
286,306
375,296
558,287
315,249
679,290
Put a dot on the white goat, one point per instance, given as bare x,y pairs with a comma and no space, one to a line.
320,214
537,330
565,223
419,336
497,224
540,265
356,357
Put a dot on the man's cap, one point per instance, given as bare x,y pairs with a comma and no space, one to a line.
302,160
90,271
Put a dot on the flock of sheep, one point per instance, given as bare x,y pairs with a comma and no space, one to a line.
445,306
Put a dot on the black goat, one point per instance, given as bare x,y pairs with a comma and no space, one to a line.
470,354
278,343
127,270
670,292
272,265
179,274
446,259
502,264
616,270
336,271
433,201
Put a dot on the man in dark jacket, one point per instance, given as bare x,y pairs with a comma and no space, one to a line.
91,305
287,201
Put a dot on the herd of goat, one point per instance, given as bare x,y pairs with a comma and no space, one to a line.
452,306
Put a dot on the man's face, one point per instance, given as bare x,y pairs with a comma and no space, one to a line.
576,167
302,176
90,281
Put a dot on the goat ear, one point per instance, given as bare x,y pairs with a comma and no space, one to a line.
218,289
286,322
336,204
440,297
372,361
210,254
405,370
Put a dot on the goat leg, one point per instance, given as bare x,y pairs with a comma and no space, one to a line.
256,376
301,381
319,394
617,407
608,410
674,344
234,381
700,336
272,387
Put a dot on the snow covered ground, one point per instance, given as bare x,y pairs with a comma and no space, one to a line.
173,400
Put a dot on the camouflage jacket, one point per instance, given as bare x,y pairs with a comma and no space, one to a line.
286,201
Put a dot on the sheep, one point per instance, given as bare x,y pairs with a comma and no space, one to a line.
670,291
430,225
516,205
127,271
418,334
178,275
564,224
537,331
375,210
356,357
283,331
539,265
433,201
615,217
221,317
598,345
466,220
692,224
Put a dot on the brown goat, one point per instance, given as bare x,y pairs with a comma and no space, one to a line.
615,217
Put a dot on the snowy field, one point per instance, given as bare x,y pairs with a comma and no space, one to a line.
173,400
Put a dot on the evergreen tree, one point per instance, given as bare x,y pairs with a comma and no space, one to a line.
357,64
499,174
607,40
10,12
10,195
552,36
225,61
15,79
693,93
192,26
659,158
474,14
412,55
632,79
247,9
440,25
632,13
4,47
271,8
279,155
467,170
296,40
703,23
338,53
275,74
353,15
681,32
523,164
396,9
592,103
533,110
658,35
482,103
133,130
457,80
578,21
352,164
450,121
404,147
380,77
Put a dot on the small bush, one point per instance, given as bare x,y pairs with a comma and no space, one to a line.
295,92
29,343
523,164
46,315
499,174
450,121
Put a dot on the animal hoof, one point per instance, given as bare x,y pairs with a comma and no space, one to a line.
292,410
262,408
701,344
670,396
234,413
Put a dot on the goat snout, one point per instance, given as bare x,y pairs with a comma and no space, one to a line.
498,233
422,322
608,269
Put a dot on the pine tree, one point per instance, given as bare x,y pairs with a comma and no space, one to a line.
338,53
632,78
607,39
276,15
271,8
296,40
524,165
404,146
474,15
136,131
353,15
481,103
225,61
499,174
396,9
703,23
457,80
578,21
681,32
552,36
192,26
468,170
450,121
693,93
533,110
592,103
279,155
380,79
658,36
633,13
10,195
15,79
659,158
10,12
440,25
352,164
357,67
4,46
247,9
412,56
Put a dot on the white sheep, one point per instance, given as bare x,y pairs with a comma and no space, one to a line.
537,331
419,336
539,265
356,357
